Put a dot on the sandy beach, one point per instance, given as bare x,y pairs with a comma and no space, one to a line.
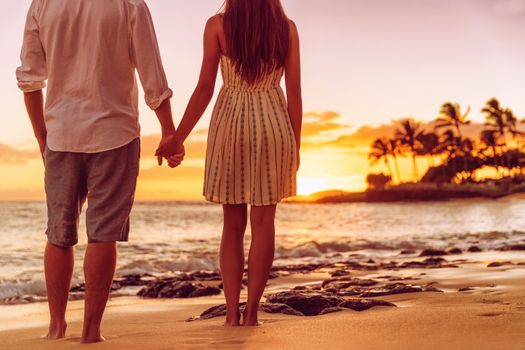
489,313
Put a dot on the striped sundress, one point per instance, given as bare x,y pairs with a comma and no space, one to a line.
251,149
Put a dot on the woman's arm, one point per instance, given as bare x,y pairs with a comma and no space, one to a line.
293,85
204,91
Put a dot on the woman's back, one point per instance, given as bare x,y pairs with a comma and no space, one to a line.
233,80
251,154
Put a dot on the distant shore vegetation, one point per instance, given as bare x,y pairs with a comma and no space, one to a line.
453,158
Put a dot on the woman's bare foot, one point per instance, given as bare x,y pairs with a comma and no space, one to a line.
91,334
250,323
249,319
92,339
233,321
56,331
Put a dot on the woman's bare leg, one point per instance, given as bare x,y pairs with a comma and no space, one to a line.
260,258
232,258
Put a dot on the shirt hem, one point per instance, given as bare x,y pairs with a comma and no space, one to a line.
92,151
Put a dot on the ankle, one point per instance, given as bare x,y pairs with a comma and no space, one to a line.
233,317
57,329
57,324
251,310
91,327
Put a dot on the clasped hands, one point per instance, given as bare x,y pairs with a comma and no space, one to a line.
170,149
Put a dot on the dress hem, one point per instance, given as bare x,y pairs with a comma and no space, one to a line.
268,203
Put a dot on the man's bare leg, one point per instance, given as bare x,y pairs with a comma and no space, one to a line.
58,266
99,269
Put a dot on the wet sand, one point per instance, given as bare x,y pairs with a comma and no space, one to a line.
488,314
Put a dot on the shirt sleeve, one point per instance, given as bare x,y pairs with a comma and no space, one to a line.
146,57
32,74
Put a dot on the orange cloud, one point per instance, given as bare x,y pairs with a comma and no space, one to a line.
365,135
11,155
318,123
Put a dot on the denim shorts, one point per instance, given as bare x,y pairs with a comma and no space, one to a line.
107,180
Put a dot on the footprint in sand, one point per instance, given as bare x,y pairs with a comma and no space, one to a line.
491,314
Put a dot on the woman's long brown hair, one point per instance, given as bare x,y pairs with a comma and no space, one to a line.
257,36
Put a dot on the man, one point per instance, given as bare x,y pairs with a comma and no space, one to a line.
88,51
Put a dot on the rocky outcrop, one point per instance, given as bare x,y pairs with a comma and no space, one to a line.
174,288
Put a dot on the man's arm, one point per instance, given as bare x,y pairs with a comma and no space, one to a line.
34,102
168,145
146,57
32,73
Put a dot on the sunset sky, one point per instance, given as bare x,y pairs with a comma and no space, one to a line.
365,63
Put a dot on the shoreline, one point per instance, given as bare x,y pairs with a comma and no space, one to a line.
414,193
488,313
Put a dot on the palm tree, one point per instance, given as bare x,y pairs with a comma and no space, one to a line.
495,116
450,115
380,150
447,147
466,148
395,152
490,139
430,146
408,135
512,125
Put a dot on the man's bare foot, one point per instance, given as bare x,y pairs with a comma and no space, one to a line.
56,331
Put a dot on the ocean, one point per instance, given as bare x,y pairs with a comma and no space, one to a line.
170,237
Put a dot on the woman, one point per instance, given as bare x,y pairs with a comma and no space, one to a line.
254,136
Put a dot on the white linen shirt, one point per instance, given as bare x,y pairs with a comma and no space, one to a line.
88,51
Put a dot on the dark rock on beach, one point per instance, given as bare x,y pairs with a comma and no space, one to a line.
338,273
174,288
431,262
205,276
407,252
212,312
390,289
513,247
455,250
354,265
274,308
363,304
500,263
474,249
300,304
300,268
345,282
81,287
307,304
134,280
431,288
432,252
293,302
330,310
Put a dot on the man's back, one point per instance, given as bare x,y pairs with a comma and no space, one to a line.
88,50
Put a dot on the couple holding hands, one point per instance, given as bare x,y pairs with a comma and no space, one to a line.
88,52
